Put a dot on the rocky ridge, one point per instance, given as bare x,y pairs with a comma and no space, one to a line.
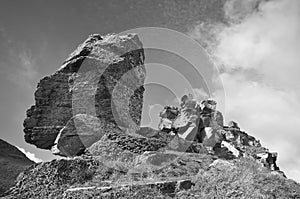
192,155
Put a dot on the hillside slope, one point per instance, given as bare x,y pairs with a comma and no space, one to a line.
189,176
12,162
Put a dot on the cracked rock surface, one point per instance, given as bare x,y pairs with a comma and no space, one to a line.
103,78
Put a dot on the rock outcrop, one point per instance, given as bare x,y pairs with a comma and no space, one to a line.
194,120
102,79
90,110
201,122
12,163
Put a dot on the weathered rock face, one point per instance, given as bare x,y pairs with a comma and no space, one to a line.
102,79
193,120
80,131
12,163
201,122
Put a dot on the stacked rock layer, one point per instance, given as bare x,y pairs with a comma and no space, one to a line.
99,86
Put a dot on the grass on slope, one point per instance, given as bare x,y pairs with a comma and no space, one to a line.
246,179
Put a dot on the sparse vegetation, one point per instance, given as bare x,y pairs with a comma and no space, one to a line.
246,179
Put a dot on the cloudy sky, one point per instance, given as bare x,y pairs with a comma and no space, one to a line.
254,44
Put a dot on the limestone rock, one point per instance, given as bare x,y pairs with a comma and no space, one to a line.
155,160
165,187
268,160
233,124
102,78
193,120
221,164
200,122
231,148
209,115
12,163
80,132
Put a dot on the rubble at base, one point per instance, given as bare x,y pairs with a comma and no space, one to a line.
202,122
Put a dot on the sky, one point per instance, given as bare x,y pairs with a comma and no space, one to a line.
254,45
258,54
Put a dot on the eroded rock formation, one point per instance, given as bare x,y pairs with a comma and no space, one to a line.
201,122
193,120
103,78
91,108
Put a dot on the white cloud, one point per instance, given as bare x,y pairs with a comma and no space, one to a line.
265,102
30,155
259,57
268,41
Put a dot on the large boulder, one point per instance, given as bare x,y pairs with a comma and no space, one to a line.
102,79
